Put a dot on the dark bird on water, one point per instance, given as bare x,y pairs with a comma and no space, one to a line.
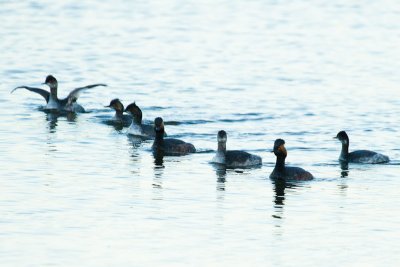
169,146
119,116
68,104
283,172
137,127
358,156
233,158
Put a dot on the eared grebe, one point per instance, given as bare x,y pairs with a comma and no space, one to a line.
137,127
233,158
169,146
281,171
119,116
358,156
53,103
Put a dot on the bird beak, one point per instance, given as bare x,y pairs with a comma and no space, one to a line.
107,106
335,137
272,151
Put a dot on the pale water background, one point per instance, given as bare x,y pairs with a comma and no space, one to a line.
79,192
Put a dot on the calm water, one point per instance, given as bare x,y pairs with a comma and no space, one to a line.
78,192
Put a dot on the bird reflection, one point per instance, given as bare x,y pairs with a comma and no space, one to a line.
344,166
53,122
158,174
158,159
52,118
134,141
279,189
280,186
344,172
220,171
118,126
135,144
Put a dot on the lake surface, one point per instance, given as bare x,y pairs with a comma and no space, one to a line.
79,192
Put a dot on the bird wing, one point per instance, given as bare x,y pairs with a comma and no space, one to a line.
74,94
40,91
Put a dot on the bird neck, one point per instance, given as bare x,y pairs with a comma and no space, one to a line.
222,147
280,163
118,113
159,139
137,119
345,150
53,92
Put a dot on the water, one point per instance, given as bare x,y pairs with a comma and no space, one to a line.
78,192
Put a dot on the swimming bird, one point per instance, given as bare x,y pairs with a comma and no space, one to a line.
281,171
119,116
137,127
169,146
53,102
233,158
358,156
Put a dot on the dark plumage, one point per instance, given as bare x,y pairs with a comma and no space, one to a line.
169,146
358,156
119,116
281,171
233,158
137,127
53,103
